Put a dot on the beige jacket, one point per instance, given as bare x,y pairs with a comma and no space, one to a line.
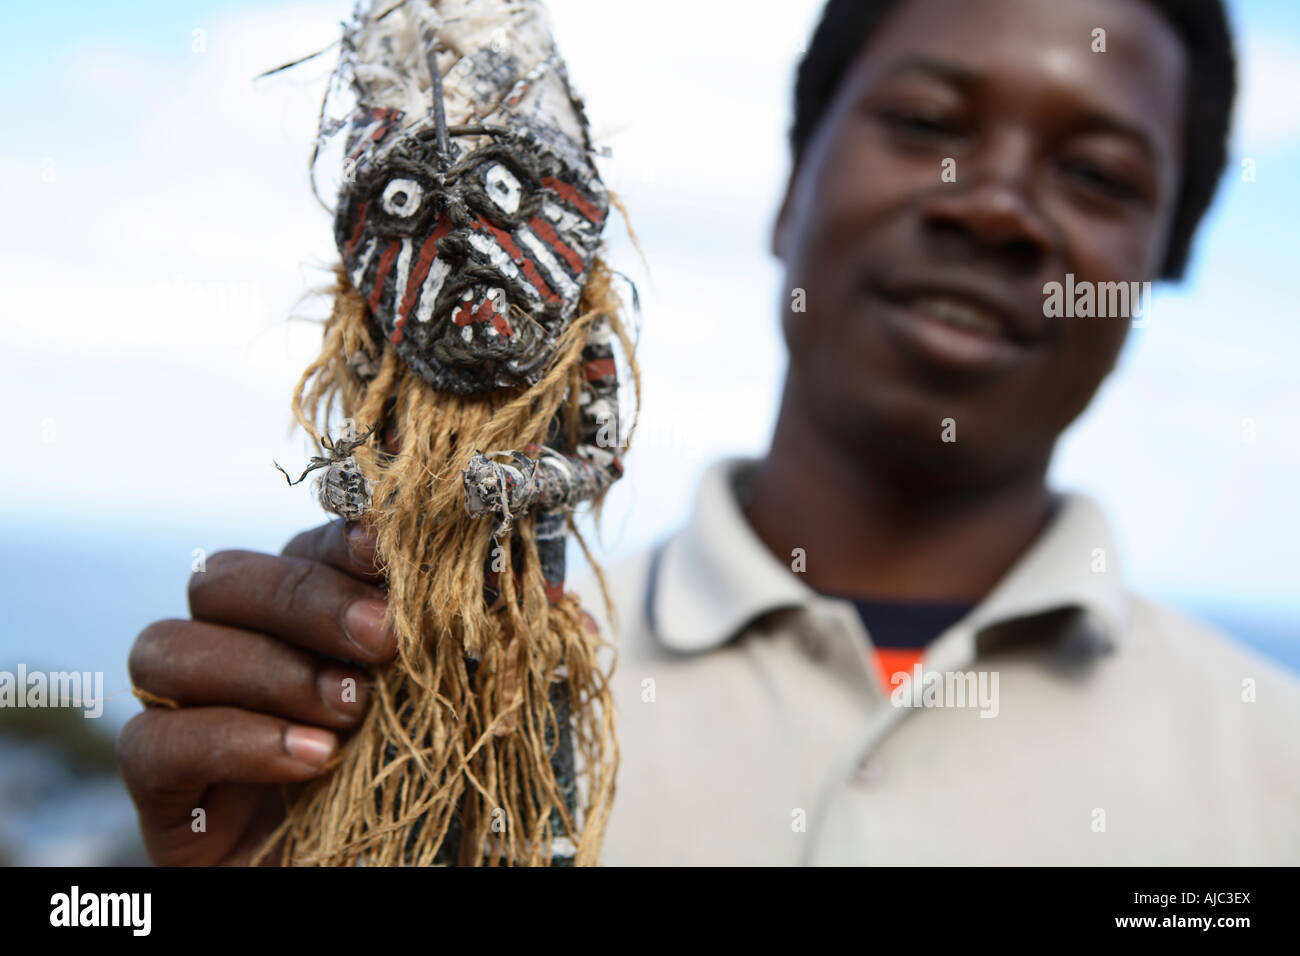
1062,721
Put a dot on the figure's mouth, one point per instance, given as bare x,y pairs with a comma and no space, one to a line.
484,308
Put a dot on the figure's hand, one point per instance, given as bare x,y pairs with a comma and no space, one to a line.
259,676
499,489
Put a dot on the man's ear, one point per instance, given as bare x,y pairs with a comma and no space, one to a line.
782,223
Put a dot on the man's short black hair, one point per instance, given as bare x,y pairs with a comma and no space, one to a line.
1211,85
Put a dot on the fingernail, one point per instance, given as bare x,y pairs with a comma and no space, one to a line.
311,745
365,626
361,534
343,691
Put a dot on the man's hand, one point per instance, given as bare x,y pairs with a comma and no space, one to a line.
259,676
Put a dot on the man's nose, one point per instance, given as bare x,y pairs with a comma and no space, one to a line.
989,211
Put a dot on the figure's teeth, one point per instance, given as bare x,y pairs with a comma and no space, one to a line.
470,312
497,297
960,313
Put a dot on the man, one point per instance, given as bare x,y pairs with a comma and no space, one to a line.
887,641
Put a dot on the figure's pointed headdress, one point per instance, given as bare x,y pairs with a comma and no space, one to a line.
471,209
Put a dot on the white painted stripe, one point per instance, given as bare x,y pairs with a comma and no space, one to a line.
403,271
600,333
360,271
578,232
554,271
500,259
432,286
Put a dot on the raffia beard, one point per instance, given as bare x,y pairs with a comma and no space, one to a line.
454,760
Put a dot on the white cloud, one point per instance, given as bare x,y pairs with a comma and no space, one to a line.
1267,117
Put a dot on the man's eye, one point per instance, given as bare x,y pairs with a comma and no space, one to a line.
1098,179
914,123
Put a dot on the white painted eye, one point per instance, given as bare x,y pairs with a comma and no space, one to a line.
502,188
402,197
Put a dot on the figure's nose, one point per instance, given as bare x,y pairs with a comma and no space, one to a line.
990,211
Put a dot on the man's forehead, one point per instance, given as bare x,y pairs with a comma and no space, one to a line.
1136,74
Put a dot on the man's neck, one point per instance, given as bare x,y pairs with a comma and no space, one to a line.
864,535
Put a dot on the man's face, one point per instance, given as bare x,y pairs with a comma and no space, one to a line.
924,297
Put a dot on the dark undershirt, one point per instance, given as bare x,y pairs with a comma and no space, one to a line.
901,630
910,624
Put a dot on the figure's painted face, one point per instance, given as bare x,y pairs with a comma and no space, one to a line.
472,268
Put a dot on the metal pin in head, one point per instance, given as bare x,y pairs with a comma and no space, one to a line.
439,110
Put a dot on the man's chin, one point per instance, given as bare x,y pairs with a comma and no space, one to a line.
923,438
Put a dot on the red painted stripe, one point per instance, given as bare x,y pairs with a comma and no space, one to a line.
527,265
487,312
387,119
543,229
356,233
501,324
565,191
519,95
599,368
463,316
428,252
385,263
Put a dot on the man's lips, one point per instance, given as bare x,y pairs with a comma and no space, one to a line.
959,313
968,305
960,327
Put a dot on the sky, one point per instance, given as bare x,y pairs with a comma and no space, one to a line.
164,245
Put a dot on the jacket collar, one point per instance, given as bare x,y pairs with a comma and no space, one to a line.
715,576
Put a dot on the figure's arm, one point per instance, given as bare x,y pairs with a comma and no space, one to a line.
540,478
